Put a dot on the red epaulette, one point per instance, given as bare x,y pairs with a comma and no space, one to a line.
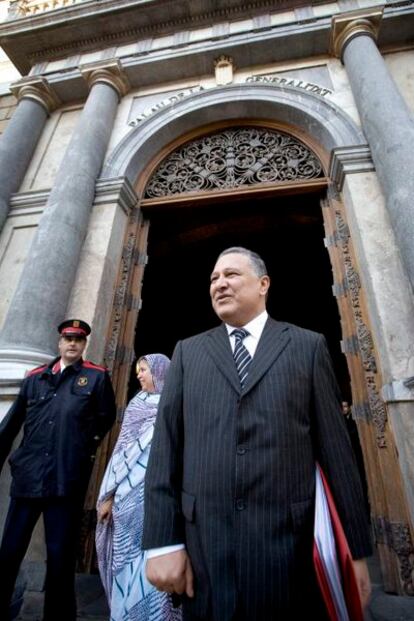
36,370
91,365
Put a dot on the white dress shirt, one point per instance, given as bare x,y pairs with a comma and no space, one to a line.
255,329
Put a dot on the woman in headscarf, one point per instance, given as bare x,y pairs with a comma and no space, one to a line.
121,507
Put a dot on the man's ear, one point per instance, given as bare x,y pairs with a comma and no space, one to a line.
264,284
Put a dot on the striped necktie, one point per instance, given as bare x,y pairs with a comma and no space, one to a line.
242,358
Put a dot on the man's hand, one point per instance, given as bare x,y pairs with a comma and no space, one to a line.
363,581
171,573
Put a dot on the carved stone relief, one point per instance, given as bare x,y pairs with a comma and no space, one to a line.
236,157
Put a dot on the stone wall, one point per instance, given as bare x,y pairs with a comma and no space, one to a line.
15,240
7,106
51,149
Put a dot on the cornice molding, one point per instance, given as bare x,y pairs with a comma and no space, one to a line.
107,72
347,26
38,89
116,190
349,160
109,190
179,15
33,201
90,24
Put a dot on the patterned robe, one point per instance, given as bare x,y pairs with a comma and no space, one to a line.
118,541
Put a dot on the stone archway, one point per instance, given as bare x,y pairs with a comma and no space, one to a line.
330,130
322,120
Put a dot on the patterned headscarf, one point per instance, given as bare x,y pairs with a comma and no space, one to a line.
142,409
158,365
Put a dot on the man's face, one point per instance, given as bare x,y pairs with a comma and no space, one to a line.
71,348
238,295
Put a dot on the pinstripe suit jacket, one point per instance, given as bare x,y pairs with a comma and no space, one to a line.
231,471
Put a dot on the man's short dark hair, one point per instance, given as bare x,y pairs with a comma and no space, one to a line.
256,261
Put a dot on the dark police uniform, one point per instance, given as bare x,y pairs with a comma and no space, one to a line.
65,416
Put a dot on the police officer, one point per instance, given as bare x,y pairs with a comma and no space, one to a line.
66,408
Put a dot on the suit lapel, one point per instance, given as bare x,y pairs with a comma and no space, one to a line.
275,337
218,346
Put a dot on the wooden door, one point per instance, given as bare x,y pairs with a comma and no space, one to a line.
389,509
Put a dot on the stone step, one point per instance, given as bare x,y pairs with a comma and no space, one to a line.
91,599
92,605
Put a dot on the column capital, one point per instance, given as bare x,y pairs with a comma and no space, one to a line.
108,72
38,89
352,24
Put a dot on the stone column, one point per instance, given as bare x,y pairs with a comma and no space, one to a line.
385,117
41,298
19,140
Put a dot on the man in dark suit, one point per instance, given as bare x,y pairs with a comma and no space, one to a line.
247,410
65,409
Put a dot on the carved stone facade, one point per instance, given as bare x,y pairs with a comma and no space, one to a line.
20,8
194,103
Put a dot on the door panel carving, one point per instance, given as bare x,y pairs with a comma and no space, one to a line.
389,514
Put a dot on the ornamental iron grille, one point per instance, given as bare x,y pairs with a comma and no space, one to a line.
236,157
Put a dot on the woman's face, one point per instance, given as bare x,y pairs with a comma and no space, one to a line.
144,376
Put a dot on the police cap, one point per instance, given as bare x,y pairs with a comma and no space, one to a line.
74,327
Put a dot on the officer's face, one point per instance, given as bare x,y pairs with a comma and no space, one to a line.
237,293
71,348
144,376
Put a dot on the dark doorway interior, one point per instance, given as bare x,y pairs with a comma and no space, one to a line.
287,231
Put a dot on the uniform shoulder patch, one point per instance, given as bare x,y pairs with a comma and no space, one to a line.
36,370
91,365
